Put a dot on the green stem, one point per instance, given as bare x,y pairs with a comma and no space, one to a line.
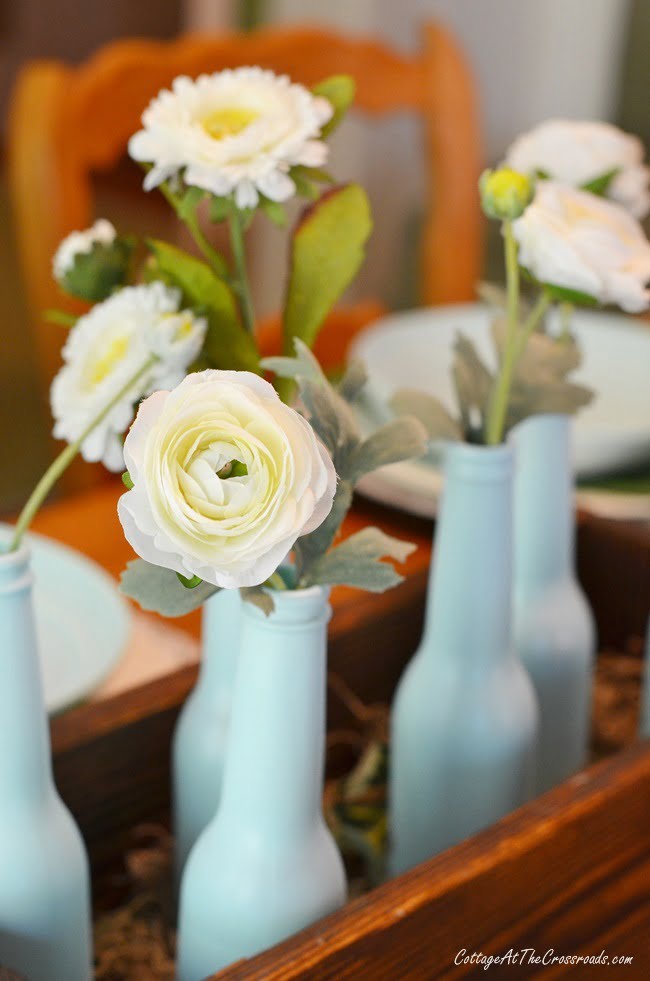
275,581
566,316
532,323
239,255
192,224
499,400
65,458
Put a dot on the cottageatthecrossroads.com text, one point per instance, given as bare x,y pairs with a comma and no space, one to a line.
530,956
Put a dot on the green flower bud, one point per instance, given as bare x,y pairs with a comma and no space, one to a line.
505,193
96,273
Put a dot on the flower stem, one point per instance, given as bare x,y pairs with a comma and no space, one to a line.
532,322
236,228
566,315
65,458
499,400
191,222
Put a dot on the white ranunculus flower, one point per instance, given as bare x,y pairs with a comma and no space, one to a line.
575,240
577,153
231,532
80,242
107,347
235,131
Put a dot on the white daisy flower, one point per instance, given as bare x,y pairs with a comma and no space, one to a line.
236,131
102,233
107,347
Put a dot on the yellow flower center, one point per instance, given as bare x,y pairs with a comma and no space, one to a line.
228,122
103,366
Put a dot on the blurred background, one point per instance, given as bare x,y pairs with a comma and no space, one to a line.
530,61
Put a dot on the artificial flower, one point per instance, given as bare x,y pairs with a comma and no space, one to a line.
81,243
505,193
582,243
235,132
137,326
225,478
587,153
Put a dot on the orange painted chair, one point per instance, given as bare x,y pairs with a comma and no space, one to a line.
69,123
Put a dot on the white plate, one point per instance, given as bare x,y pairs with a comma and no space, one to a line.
82,622
414,349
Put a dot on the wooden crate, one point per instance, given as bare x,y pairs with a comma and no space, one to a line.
571,870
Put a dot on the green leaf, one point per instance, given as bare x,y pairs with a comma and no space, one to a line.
219,208
188,203
327,251
274,211
401,439
227,344
600,185
159,590
127,481
329,414
309,549
339,90
96,274
60,318
357,562
235,468
305,187
353,381
190,583
564,295
433,415
473,384
259,597
541,383
316,174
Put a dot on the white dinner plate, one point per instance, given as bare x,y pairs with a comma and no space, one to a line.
414,350
82,621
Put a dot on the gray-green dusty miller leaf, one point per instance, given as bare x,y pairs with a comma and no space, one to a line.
495,296
353,381
473,383
492,294
159,590
430,411
310,547
540,382
401,439
330,415
357,562
259,597
335,424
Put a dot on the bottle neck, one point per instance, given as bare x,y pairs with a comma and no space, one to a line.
25,767
468,602
220,638
543,502
274,768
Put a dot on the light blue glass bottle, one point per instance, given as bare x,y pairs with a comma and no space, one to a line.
464,718
553,627
45,919
266,866
199,744
644,715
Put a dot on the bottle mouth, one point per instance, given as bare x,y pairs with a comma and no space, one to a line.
481,464
12,560
295,606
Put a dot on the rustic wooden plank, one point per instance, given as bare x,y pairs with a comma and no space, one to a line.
570,871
